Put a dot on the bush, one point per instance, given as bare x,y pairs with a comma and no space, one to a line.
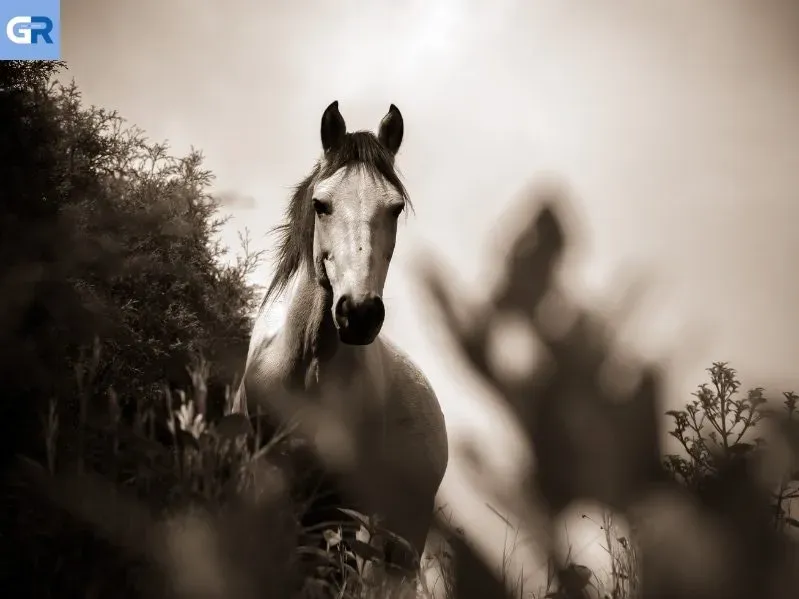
104,235
122,329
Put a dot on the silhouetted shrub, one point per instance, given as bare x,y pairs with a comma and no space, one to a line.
104,235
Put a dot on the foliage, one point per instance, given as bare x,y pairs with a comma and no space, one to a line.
123,327
104,235
121,340
713,430
707,532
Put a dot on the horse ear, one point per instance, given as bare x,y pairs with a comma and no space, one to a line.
333,127
391,130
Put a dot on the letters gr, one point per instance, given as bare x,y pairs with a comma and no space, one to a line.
29,30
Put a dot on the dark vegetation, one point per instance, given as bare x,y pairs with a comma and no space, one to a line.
122,332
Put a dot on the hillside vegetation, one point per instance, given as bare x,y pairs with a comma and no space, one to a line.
122,332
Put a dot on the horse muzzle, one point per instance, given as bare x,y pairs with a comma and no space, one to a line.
359,321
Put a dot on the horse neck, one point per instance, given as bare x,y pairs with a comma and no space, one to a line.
309,332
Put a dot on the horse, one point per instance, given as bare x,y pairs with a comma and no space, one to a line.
327,352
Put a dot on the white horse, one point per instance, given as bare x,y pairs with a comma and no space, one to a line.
327,352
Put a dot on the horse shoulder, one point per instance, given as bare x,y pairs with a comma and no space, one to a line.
266,368
268,322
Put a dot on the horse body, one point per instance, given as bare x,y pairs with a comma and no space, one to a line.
326,364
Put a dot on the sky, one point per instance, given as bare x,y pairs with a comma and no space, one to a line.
674,124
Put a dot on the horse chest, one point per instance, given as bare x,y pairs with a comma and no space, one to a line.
416,436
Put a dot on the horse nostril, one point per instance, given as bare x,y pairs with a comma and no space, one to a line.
368,314
374,309
343,306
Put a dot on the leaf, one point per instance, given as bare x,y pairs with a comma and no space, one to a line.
336,524
365,550
357,516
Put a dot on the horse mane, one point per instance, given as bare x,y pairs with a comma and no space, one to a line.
295,234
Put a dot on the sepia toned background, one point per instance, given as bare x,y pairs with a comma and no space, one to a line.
674,125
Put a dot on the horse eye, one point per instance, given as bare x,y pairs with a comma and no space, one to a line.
397,209
321,207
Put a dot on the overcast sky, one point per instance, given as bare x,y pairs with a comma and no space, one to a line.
676,125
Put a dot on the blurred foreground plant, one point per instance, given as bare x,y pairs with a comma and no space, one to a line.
207,512
104,234
592,424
